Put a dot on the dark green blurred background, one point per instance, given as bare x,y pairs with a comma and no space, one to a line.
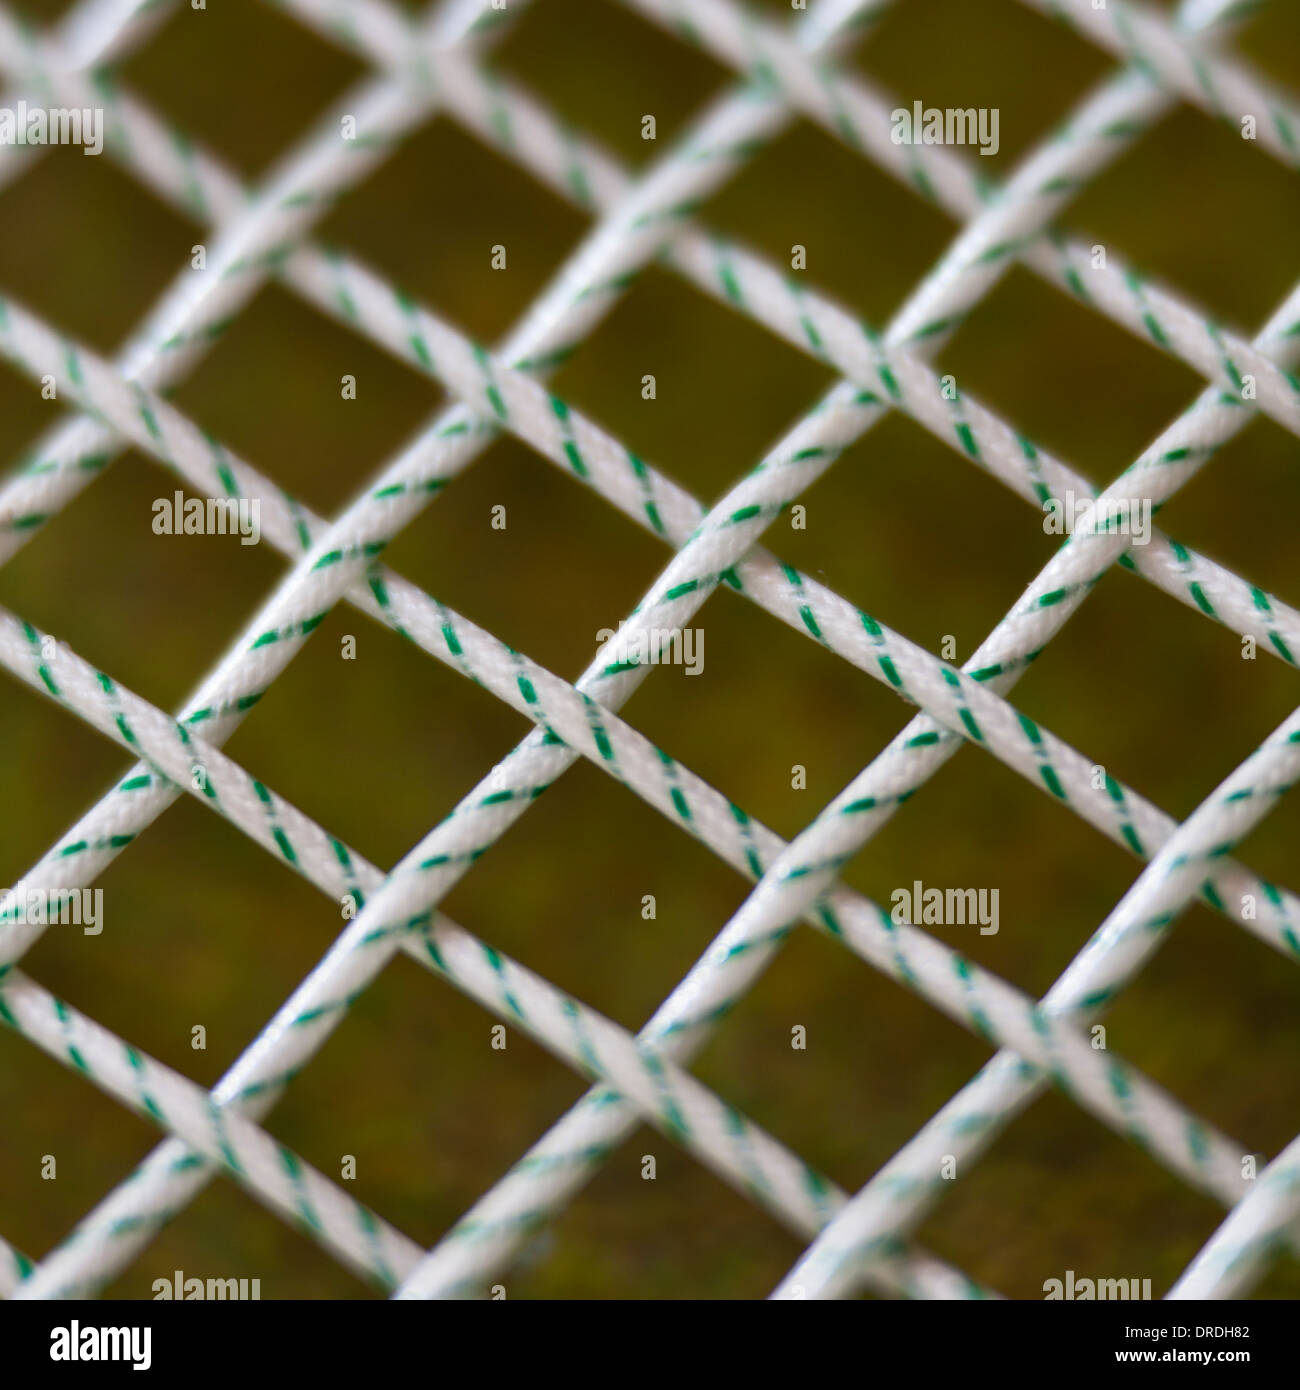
202,927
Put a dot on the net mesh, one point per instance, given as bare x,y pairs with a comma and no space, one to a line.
439,63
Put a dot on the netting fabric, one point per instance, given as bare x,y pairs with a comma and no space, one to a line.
440,63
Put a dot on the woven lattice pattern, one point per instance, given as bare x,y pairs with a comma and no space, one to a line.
439,64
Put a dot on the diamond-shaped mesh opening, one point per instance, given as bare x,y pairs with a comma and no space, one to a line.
86,1135
95,285
196,1014
912,483
411,1140
226,1235
925,53
303,398
1143,387
554,49
866,249
629,900
481,268
684,1235
701,431
1211,259
503,517
1172,657
785,770
1244,526
186,74
361,776
173,577
852,1026
1051,1176
638,930
1228,1039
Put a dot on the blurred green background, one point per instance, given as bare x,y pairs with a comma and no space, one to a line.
202,927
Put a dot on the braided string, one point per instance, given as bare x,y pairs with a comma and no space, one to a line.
477,376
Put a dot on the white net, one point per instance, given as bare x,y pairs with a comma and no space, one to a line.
437,64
